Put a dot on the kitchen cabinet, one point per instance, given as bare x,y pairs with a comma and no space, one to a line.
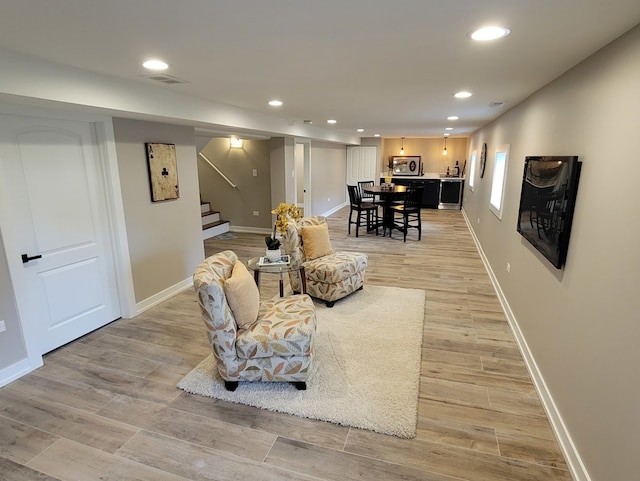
430,194
439,192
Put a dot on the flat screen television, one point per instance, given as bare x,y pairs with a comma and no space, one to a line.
547,200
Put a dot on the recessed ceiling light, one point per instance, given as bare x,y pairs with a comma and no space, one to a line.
359,130
331,121
275,103
462,95
447,134
453,117
489,33
448,128
155,65
376,135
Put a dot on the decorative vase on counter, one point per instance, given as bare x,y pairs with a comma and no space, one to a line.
273,254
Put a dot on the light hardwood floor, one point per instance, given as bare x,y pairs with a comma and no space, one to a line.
105,407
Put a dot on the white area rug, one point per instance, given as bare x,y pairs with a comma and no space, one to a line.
366,371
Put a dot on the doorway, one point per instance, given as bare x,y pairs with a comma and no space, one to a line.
302,177
57,233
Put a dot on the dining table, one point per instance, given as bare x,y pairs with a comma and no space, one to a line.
388,195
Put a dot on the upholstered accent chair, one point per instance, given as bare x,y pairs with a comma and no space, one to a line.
329,275
253,340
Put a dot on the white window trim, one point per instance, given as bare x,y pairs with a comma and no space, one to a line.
472,169
497,182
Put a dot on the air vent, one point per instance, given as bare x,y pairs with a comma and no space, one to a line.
165,79
496,104
308,122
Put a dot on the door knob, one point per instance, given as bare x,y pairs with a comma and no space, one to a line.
26,258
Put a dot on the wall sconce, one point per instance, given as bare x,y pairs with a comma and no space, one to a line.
235,143
444,152
402,147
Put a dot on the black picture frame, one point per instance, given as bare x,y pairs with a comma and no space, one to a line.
406,164
483,159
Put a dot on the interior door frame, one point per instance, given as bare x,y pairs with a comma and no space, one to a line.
109,176
308,208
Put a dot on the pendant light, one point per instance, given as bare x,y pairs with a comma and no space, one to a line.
402,147
444,152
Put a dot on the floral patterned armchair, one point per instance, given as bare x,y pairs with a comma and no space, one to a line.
277,346
329,277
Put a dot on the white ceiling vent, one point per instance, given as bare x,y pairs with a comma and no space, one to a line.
165,79
496,104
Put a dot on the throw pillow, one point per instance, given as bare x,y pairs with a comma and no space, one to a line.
315,239
242,295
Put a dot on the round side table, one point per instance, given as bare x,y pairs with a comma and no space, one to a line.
280,269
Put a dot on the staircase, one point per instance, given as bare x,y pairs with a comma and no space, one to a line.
212,225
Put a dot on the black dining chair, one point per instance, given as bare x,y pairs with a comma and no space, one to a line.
364,211
365,196
410,212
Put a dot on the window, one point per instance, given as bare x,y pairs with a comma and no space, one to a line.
472,170
499,175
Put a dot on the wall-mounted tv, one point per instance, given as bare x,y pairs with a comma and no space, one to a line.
547,200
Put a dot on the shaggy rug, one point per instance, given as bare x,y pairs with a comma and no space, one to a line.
366,370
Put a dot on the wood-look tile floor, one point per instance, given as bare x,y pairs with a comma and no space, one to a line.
105,407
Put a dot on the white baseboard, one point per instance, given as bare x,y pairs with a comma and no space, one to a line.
571,454
265,231
334,210
161,296
17,370
251,230
214,231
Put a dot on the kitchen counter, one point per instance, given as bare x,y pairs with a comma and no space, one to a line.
440,191
429,175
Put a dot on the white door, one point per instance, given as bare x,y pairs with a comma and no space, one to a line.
55,227
362,164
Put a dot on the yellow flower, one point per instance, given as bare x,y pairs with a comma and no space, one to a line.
284,213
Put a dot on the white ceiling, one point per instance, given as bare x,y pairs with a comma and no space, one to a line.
389,67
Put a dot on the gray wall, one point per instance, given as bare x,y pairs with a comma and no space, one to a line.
164,238
581,323
252,194
328,171
274,160
12,348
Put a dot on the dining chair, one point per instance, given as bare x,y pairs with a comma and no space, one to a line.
410,212
366,196
363,210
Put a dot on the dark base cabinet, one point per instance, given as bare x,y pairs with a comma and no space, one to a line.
445,193
431,193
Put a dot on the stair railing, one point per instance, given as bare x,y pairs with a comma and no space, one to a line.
218,171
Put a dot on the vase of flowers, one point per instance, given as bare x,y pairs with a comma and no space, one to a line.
387,178
284,213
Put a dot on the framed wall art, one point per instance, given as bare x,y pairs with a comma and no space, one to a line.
406,165
483,159
163,171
